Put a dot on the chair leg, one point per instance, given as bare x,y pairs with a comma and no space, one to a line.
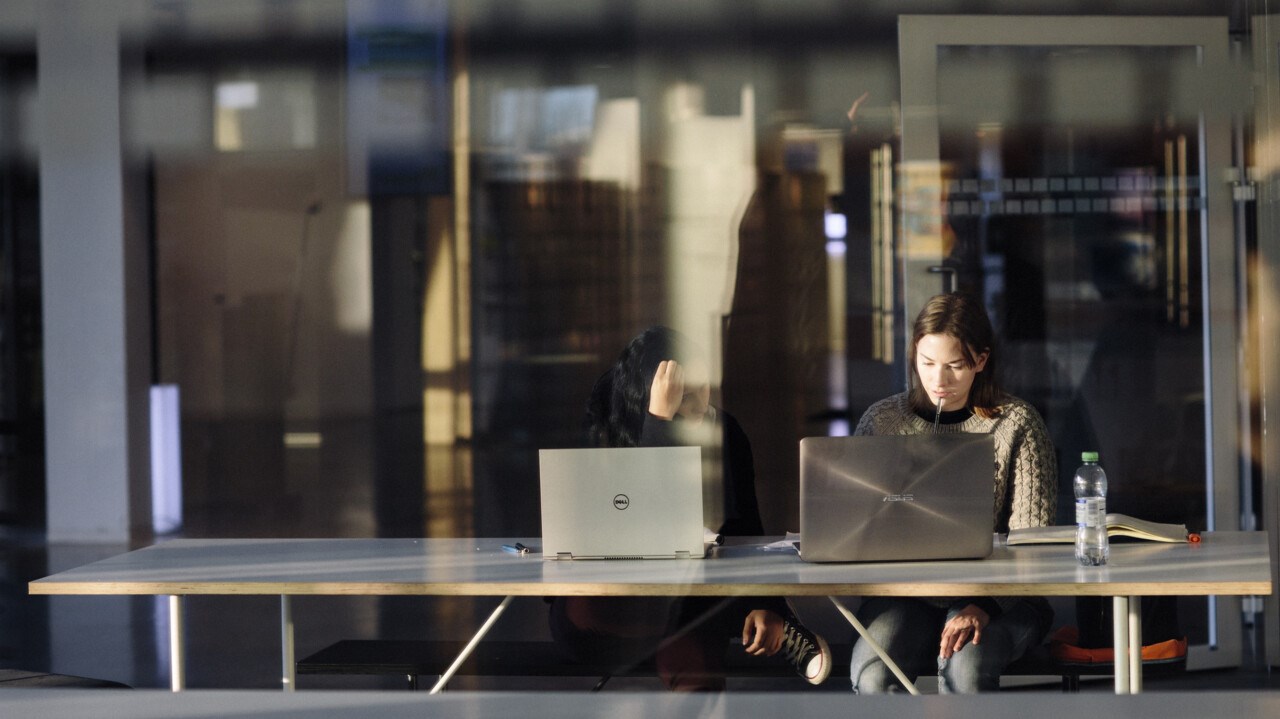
600,684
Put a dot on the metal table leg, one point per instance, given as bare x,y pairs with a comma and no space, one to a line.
287,666
1135,645
884,657
1120,640
177,645
471,645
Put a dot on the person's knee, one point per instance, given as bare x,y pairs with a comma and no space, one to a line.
875,678
971,670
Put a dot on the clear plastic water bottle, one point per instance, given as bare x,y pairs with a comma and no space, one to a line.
1092,548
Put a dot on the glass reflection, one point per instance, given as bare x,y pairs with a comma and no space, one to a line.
396,242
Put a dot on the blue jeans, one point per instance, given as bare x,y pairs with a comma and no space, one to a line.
909,631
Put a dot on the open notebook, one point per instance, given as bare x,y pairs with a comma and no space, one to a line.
1118,525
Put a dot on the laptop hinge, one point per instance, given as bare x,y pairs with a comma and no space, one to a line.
683,554
564,555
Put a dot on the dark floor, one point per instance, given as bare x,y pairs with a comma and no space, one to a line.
234,642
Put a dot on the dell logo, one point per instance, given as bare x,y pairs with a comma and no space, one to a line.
621,501
899,498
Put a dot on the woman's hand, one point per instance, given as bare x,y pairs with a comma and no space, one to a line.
667,391
966,626
762,633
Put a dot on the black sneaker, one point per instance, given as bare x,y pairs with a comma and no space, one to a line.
806,651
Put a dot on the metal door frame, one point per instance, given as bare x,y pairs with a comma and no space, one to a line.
1265,34
920,36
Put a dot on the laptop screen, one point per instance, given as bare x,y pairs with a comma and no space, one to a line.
621,503
897,497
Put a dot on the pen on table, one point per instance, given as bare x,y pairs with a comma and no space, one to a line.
516,548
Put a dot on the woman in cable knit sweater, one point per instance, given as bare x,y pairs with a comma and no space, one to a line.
969,640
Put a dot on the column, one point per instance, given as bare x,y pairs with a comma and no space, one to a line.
95,292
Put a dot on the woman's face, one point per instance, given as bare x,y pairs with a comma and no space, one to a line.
944,373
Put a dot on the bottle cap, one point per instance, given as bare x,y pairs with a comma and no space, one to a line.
1088,456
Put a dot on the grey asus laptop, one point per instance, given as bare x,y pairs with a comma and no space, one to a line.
896,498
624,503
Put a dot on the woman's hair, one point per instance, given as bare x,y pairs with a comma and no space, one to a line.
961,316
620,399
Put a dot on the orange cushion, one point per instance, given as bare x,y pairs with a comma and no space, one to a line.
1062,648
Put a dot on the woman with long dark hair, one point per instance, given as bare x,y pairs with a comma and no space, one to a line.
954,388
658,394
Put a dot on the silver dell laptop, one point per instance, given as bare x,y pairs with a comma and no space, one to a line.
622,503
896,498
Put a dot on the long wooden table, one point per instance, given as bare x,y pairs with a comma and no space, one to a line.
1224,563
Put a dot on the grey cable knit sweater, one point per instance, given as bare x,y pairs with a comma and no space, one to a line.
1026,475
1026,472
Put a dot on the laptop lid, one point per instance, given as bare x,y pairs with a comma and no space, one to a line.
621,503
896,497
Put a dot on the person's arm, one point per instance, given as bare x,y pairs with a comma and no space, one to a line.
762,633
1034,473
741,507
658,432
962,628
667,390
665,395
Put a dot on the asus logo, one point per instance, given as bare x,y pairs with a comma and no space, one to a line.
899,498
621,501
